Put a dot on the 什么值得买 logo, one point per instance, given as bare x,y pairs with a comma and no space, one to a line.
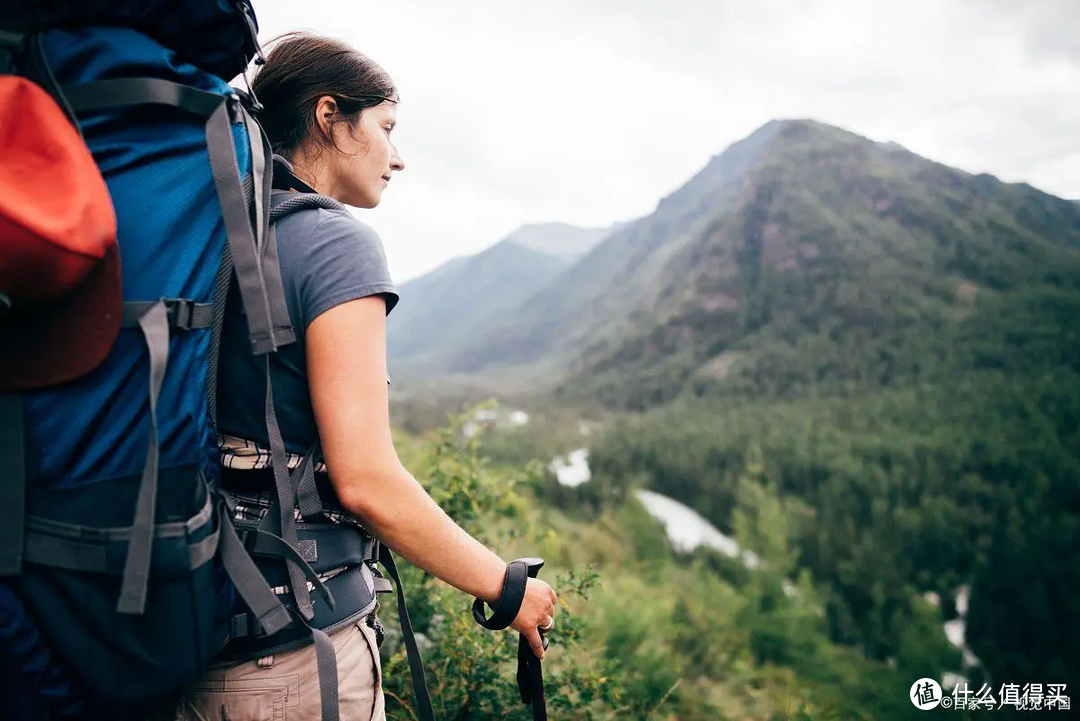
926,694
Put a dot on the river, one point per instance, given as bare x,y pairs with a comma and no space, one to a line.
687,530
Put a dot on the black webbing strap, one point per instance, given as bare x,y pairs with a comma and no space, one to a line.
119,92
416,665
12,483
133,586
505,610
72,554
180,313
530,679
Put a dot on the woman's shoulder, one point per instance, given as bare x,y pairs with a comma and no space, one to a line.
328,255
319,231
344,227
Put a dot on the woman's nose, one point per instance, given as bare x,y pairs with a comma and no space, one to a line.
396,163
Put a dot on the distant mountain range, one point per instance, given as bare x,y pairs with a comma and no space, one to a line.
446,306
804,256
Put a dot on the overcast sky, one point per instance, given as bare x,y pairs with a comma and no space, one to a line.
589,111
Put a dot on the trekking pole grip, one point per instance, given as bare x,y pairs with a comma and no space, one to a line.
530,677
505,610
532,567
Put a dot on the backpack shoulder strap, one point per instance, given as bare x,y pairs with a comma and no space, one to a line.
275,295
300,201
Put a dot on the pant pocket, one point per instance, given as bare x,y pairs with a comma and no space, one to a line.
243,704
246,692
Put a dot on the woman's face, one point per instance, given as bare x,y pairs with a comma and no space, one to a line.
366,157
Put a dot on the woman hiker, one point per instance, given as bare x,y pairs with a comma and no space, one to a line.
329,113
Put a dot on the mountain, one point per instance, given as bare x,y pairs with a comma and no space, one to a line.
576,306
438,309
803,256
560,240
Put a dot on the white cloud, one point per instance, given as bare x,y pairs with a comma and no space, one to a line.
589,111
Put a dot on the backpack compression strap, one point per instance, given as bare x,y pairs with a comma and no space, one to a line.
155,328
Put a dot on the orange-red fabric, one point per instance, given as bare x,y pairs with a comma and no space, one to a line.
59,262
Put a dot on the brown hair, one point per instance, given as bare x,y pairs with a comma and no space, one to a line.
300,69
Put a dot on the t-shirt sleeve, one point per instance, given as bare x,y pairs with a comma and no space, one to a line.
342,260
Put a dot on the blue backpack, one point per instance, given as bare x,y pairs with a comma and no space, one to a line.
122,574
121,566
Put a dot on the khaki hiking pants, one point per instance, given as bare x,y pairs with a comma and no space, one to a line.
285,686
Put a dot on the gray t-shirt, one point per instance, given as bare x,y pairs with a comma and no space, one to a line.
327,258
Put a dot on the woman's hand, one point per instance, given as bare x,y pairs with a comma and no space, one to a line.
537,610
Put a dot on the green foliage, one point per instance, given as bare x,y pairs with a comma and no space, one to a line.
471,670
783,614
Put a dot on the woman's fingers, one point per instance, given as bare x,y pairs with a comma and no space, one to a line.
537,614
536,643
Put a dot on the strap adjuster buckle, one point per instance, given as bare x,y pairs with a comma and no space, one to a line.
181,312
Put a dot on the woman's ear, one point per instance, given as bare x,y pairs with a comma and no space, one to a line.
325,110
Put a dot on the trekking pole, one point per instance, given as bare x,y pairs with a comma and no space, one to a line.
530,676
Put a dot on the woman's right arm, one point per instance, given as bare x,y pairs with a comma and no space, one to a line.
346,359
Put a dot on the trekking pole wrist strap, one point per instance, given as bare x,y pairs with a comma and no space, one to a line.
505,610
